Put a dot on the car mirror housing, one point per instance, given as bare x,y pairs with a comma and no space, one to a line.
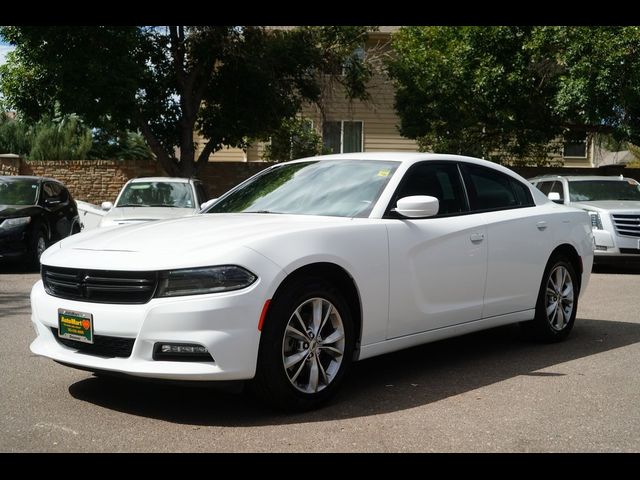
106,206
554,197
418,206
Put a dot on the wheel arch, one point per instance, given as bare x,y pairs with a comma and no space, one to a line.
339,277
574,258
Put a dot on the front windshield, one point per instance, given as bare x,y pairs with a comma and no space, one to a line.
18,191
157,194
342,188
595,190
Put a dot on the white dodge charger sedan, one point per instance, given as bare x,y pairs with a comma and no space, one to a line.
310,265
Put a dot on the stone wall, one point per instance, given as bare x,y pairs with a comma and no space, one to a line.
93,181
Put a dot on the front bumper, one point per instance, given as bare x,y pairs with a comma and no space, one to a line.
13,243
225,323
610,246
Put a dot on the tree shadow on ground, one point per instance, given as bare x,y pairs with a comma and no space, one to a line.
384,384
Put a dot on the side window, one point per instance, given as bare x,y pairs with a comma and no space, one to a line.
52,190
440,180
545,187
491,190
557,187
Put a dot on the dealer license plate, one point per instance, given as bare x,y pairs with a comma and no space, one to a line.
75,325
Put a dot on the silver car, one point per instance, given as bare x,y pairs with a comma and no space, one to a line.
154,198
613,202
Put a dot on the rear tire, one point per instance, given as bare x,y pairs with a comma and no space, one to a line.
557,302
306,346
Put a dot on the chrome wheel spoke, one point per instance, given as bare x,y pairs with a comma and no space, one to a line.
550,309
317,315
324,320
323,373
295,375
314,375
333,338
295,333
334,352
292,360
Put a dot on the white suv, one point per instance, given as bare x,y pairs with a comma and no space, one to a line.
613,204
154,198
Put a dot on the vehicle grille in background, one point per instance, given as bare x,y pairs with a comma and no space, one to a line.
102,345
628,225
99,286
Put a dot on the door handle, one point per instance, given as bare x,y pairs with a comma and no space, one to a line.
477,237
542,225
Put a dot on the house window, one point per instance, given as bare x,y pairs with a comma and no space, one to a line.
343,136
576,148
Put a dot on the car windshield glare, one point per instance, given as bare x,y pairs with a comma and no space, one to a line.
156,194
18,192
341,188
597,190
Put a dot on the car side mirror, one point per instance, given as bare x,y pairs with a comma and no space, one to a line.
554,197
207,204
106,206
418,206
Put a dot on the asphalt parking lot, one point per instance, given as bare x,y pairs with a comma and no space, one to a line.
487,392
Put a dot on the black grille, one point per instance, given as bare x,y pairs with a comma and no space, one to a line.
102,345
99,286
634,251
627,225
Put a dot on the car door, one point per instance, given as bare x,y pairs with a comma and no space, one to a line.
518,239
437,264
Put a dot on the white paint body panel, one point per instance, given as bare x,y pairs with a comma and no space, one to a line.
418,280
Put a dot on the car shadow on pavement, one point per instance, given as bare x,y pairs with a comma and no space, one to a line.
631,268
389,383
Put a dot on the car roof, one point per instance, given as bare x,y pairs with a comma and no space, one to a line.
410,158
161,179
578,178
30,177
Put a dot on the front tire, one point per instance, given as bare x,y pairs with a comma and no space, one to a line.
557,302
306,346
38,246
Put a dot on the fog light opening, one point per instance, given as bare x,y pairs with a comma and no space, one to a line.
181,352
601,248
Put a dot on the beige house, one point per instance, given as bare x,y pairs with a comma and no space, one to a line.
373,125
348,126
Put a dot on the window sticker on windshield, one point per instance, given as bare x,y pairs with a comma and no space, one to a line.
384,173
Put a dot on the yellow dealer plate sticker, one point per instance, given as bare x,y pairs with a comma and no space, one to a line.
75,325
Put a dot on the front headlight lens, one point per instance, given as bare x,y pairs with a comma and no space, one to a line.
198,281
15,222
596,221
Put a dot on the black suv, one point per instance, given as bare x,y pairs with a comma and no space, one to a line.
35,212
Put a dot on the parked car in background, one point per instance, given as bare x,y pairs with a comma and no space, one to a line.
35,212
154,198
310,265
613,204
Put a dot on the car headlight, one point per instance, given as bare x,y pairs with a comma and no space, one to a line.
15,222
197,281
596,221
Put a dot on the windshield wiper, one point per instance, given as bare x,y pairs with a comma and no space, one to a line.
132,205
261,211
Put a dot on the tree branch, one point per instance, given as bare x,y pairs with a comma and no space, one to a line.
169,165
204,155
177,53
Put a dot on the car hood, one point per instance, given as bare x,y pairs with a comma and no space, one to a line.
191,241
10,211
143,214
607,205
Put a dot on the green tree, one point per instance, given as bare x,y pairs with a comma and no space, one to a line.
296,138
226,83
506,93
